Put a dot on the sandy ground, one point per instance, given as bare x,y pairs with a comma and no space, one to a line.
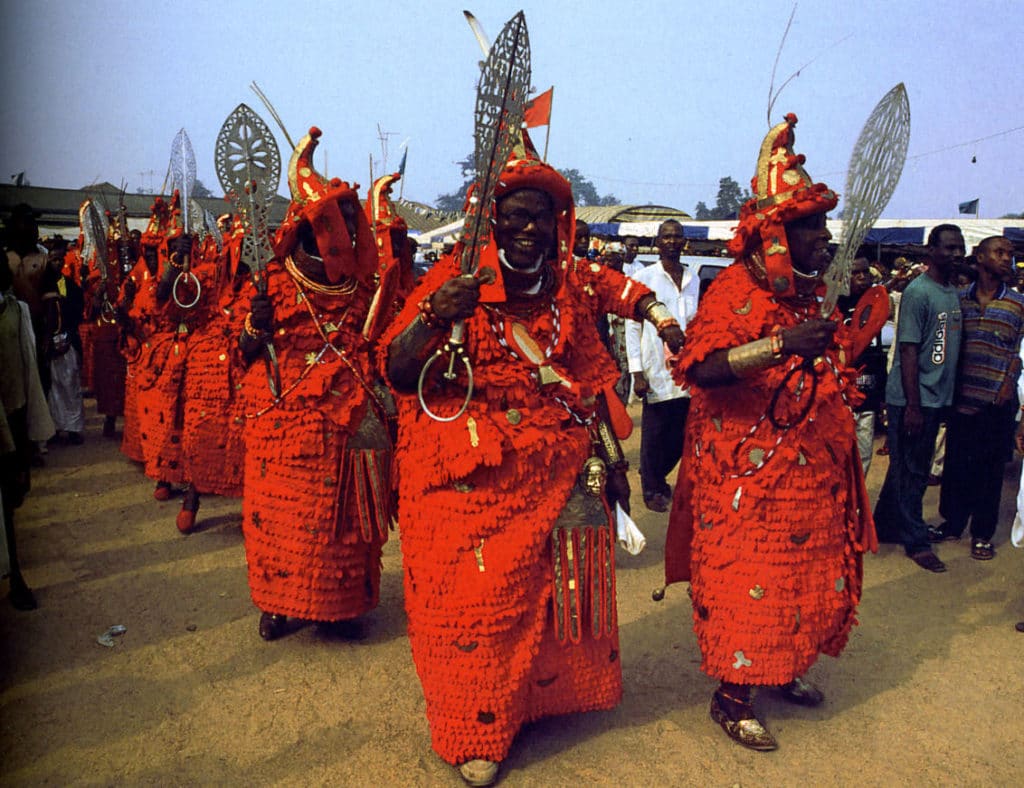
929,691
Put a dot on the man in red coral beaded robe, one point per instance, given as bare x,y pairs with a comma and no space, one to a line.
213,447
317,492
107,366
137,316
507,541
178,304
771,498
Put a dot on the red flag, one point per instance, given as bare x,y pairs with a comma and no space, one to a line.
538,111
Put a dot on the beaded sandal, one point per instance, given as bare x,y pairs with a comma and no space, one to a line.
747,731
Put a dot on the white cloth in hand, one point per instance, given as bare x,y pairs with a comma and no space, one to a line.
628,534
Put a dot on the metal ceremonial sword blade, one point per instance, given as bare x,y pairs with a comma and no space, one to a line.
94,233
500,102
498,119
196,219
248,166
875,168
183,170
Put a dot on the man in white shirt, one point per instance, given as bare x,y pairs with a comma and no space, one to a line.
665,404
630,264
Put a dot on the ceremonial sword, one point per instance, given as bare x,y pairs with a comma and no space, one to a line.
248,166
500,101
94,233
875,168
183,169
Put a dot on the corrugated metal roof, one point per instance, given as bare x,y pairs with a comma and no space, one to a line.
603,214
423,218
58,208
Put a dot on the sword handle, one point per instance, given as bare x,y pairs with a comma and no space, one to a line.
456,341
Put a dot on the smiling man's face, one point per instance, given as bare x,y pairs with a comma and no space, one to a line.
524,227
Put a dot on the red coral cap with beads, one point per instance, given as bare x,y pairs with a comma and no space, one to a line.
157,227
525,170
317,200
783,191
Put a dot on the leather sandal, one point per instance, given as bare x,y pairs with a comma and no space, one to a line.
928,560
272,625
983,551
479,772
802,692
748,730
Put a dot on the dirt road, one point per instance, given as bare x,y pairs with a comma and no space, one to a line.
930,690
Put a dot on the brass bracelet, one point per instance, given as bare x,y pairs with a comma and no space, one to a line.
752,357
664,323
657,312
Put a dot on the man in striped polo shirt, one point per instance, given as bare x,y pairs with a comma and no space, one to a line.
979,437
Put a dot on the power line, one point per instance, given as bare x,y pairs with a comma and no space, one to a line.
965,144
941,150
823,174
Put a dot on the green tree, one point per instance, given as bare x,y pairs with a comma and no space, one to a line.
730,198
199,189
454,201
728,203
584,191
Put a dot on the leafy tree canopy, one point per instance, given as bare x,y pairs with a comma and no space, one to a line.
199,189
728,203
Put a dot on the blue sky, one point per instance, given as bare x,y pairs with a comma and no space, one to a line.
654,101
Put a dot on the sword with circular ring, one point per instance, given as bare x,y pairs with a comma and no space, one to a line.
500,102
183,169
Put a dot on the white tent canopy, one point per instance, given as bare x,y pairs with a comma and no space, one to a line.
915,231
